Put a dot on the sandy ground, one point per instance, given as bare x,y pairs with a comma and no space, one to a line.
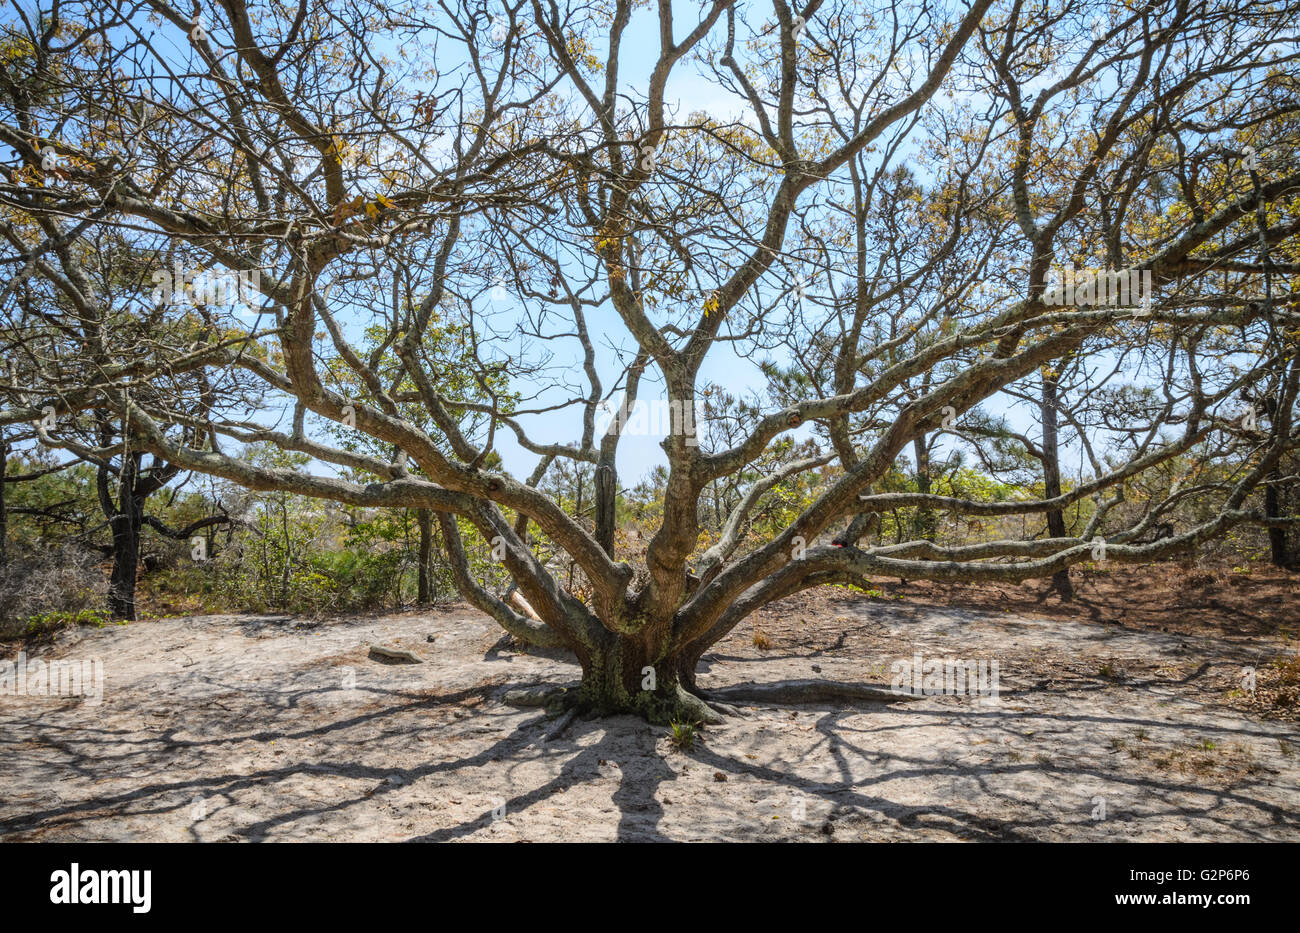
222,728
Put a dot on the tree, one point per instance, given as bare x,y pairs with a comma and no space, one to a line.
884,232
70,327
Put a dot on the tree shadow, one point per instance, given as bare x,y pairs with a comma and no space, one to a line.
107,777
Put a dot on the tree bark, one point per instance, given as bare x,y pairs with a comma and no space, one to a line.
4,506
424,558
639,675
925,518
125,521
1052,477
606,486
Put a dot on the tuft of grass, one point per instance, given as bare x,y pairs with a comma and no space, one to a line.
47,623
1289,669
761,641
683,735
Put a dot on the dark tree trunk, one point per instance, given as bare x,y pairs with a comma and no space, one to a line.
125,522
1052,478
4,508
925,519
1279,553
606,487
424,558
126,561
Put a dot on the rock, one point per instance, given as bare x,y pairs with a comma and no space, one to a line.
719,776
817,668
394,655
430,638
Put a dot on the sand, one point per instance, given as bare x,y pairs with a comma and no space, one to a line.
227,728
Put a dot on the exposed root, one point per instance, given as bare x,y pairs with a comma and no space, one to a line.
727,709
798,692
661,708
678,704
690,708
544,695
560,727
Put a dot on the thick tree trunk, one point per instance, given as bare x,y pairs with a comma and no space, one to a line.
125,519
424,558
1052,478
633,674
126,560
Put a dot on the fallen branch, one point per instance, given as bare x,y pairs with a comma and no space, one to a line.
795,692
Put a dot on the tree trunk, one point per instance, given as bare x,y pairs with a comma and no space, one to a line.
4,508
126,557
606,491
635,675
1279,553
1052,478
925,518
424,558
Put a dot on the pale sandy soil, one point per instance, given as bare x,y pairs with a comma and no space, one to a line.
222,728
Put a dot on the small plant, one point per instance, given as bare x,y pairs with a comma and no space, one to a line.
1106,670
47,623
1140,734
1289,668
761,641
1207,745
683,737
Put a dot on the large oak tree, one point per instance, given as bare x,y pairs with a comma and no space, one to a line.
863,202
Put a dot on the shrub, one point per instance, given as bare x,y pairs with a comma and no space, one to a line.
39,586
